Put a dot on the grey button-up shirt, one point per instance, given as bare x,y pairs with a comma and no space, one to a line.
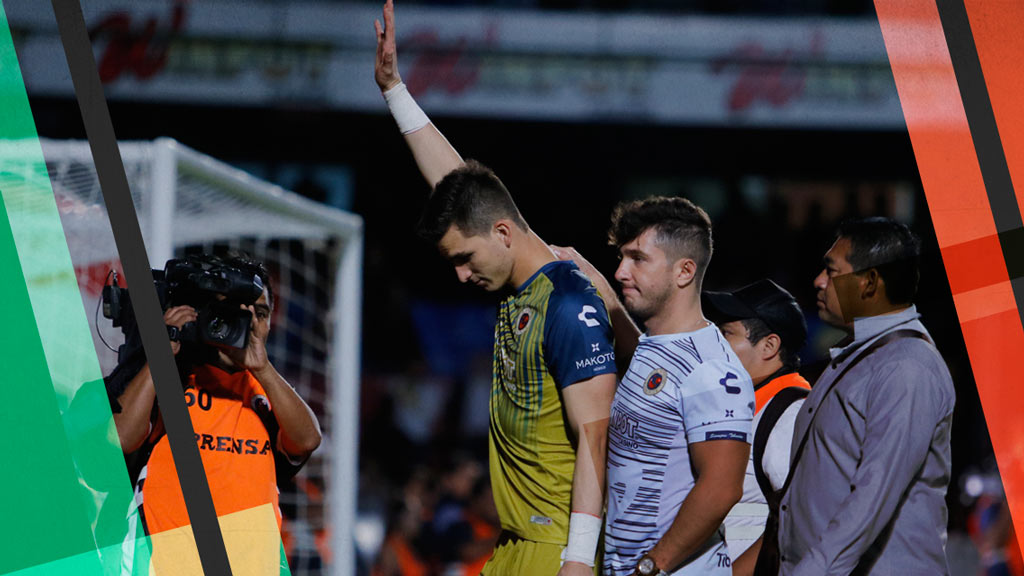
868,495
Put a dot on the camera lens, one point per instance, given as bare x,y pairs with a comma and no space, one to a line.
224,325
218,328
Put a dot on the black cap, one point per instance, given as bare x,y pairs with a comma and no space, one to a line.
764,300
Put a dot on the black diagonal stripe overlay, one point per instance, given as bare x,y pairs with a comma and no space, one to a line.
984,131
128,237
980,117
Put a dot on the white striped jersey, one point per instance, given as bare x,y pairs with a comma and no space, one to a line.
680,389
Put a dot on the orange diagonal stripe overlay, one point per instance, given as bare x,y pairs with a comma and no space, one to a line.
957,199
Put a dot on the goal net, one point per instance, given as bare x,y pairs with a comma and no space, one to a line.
189,203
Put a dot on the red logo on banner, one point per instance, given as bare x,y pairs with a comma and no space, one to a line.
140,52
763,76
452,67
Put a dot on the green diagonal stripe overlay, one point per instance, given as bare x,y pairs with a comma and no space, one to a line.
66,493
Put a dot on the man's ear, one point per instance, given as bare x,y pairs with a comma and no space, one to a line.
871,284
686,271
503,230
769,346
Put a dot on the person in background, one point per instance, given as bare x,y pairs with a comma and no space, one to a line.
875,429
765,328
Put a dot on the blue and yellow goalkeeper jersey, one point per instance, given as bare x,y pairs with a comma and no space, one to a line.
552,333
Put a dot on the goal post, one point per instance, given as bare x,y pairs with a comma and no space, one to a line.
189,202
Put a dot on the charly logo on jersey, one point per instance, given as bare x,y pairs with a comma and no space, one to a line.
655,381
523,320
582,316
725,382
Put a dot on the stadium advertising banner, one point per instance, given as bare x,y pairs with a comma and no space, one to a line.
797,72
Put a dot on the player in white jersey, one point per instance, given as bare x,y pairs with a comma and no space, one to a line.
680,390
680,433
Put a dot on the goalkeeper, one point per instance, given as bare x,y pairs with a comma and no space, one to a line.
554,366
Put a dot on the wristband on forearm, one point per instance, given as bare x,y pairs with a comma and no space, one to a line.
406,112
584,531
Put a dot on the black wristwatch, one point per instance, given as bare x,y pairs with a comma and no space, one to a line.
648,567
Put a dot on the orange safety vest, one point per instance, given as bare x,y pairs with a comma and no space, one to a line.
236,449
765,393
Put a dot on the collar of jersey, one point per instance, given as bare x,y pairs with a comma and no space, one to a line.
674,336
544,268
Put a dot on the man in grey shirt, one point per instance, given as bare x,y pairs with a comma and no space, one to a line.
868,493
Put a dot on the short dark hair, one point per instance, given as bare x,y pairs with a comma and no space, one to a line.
890,248
243,261
682,227
758,329
470,197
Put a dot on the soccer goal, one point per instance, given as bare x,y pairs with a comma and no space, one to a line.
188,202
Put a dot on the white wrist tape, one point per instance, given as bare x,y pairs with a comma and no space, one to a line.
404,109
584,531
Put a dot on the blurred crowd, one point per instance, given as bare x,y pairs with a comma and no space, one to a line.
440,521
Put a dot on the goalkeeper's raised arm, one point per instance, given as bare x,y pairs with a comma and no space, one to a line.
434,155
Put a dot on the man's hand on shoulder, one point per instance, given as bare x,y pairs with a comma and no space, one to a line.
626,332
599,280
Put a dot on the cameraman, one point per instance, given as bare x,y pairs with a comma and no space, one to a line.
245,416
